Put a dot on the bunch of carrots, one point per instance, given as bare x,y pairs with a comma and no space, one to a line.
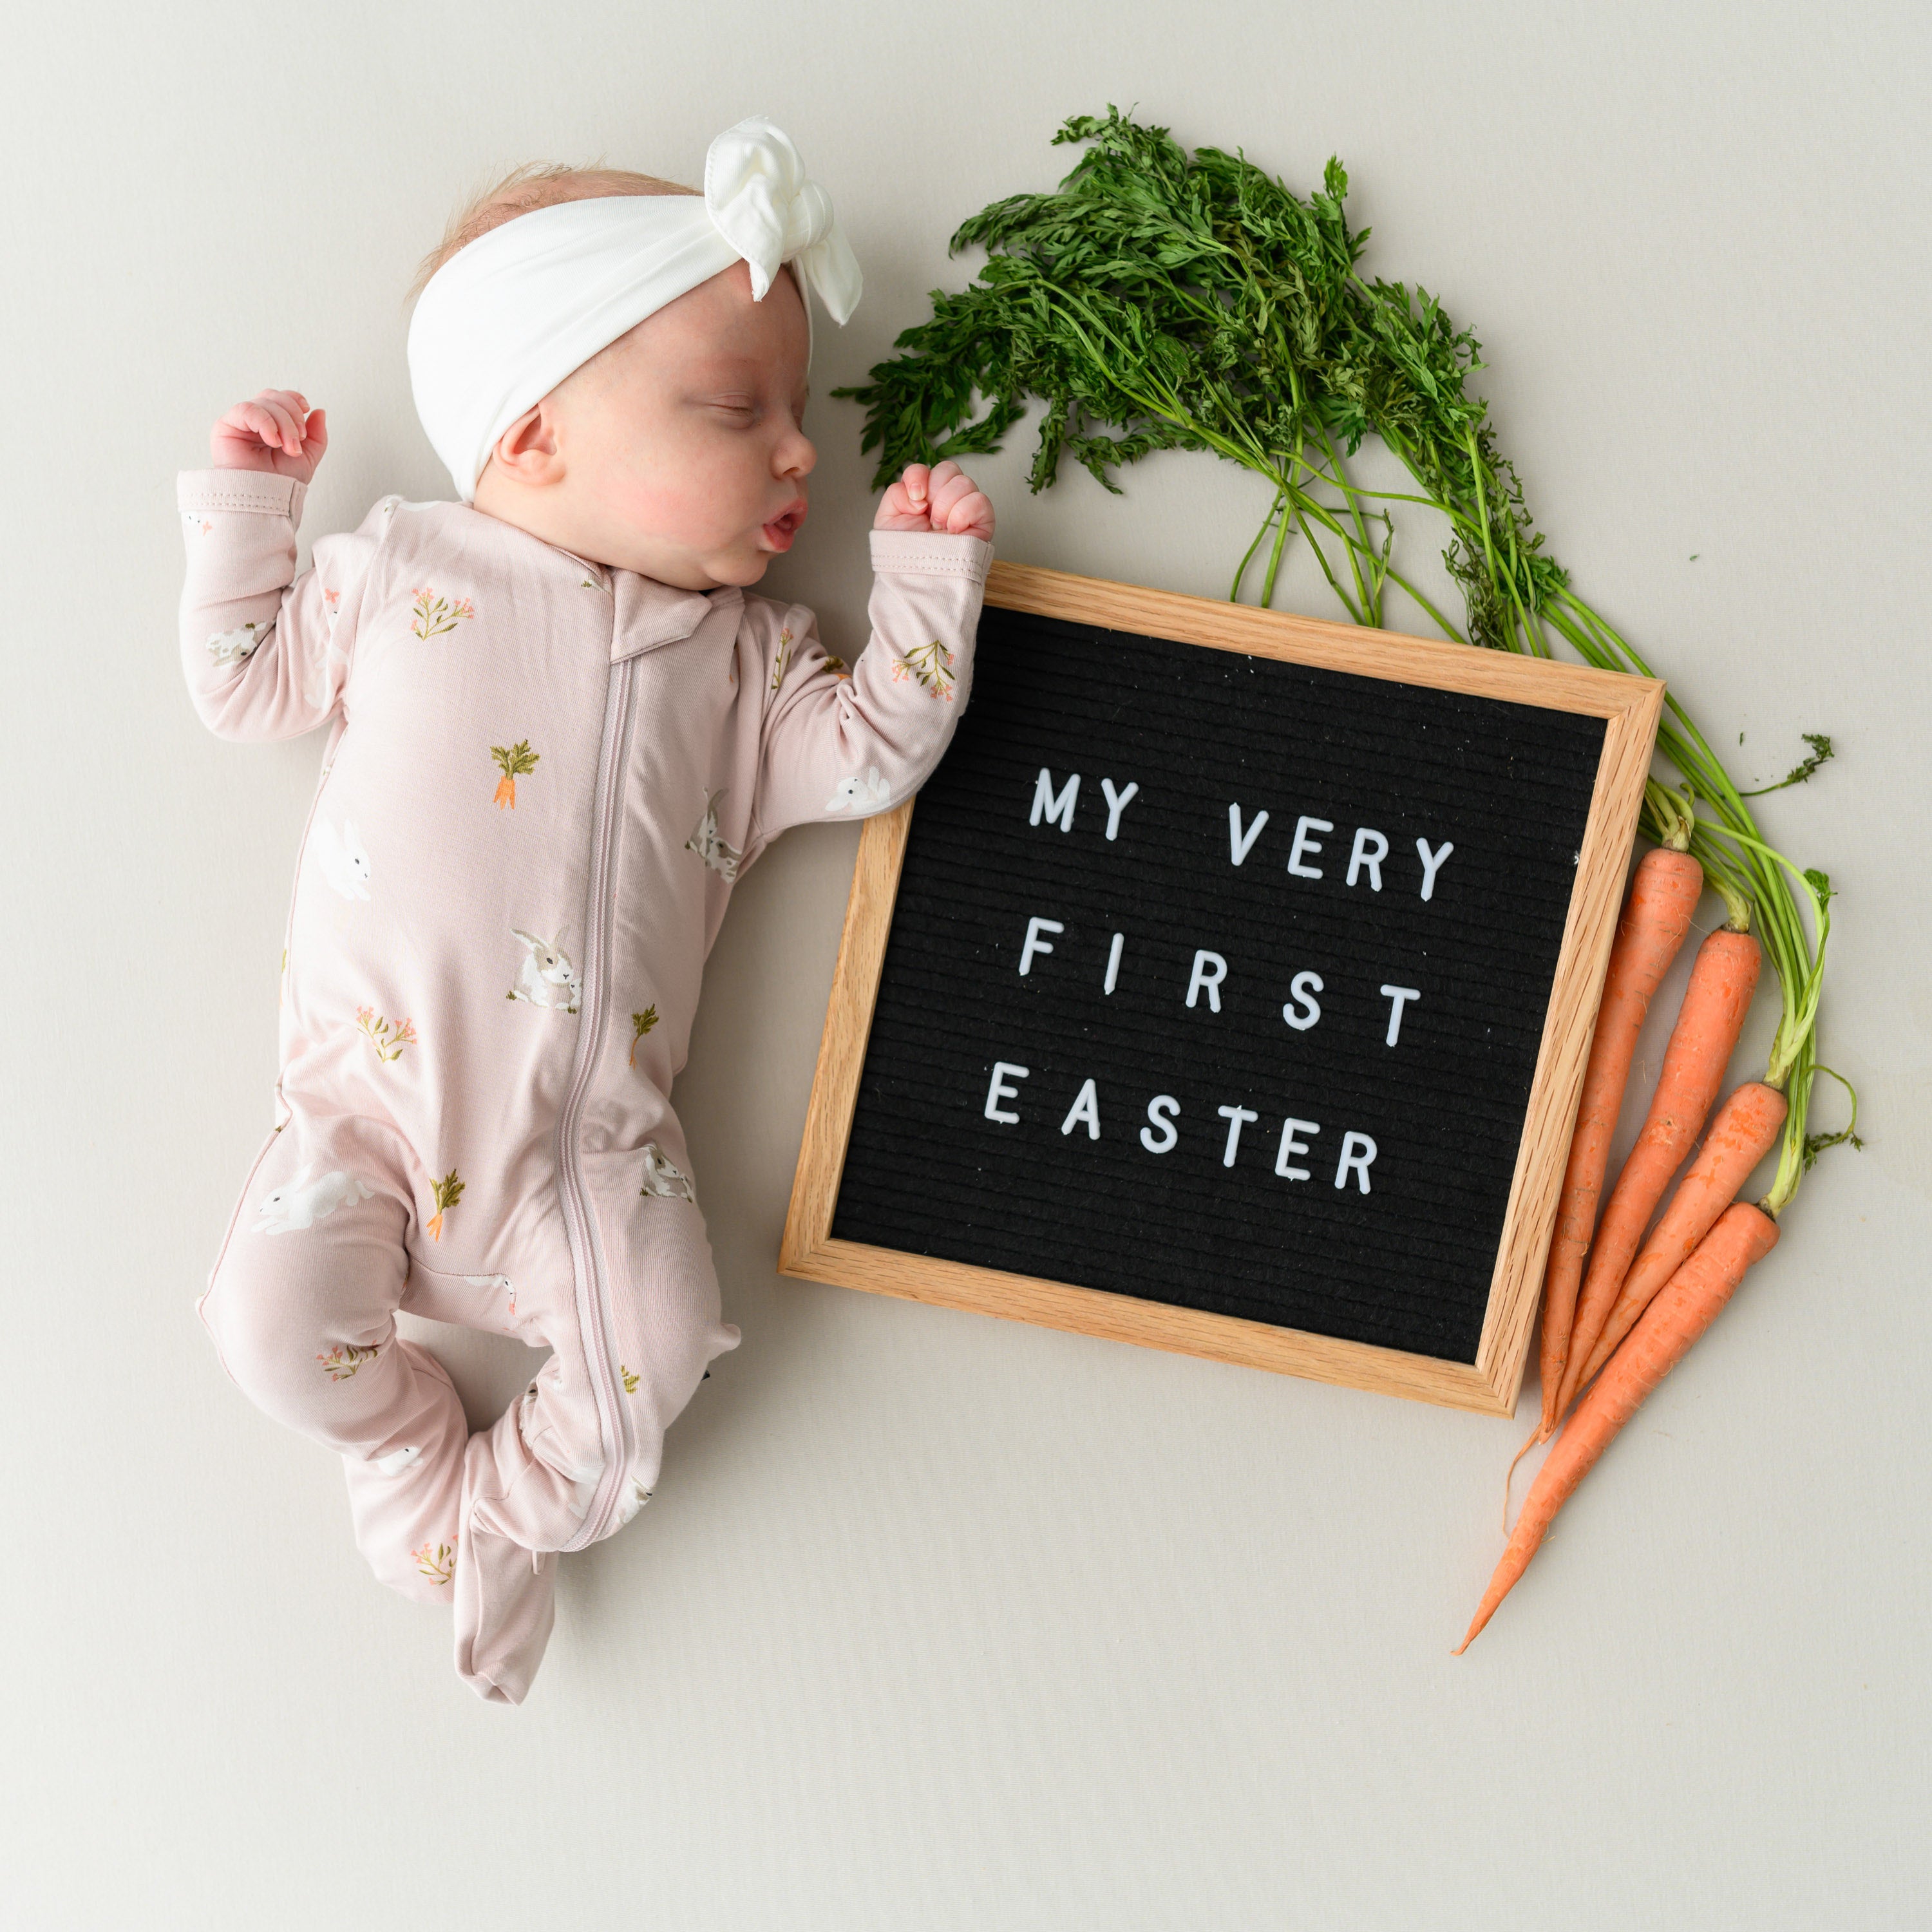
1616,1321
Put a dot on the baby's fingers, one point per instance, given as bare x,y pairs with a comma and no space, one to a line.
916,487
950,485
289,408
275,425
897,511
971,516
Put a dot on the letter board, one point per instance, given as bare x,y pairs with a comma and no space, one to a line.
1227,989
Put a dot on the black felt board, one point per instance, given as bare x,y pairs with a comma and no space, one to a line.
1407,1266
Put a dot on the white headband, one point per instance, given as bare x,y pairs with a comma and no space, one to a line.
504,320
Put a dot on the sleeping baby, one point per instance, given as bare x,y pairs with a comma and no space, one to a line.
561,726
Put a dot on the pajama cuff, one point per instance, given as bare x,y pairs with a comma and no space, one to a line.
258,491
923,553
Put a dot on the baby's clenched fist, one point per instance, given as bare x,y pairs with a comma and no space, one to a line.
277,432
945,500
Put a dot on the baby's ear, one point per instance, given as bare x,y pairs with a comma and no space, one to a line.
527,450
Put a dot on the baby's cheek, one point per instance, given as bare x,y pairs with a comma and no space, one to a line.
699,499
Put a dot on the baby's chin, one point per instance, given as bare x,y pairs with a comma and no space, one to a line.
736,565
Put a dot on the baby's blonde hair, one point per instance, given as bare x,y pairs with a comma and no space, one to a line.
535,184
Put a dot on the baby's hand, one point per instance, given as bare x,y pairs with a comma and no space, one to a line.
945,500
277,431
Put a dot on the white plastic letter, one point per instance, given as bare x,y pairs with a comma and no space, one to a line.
1358,1150
1114,962
1305,846
1034,943
1431,864
1291,1145
1000,1091
1053,810
1307,1010
1240,843
1362,859
1116,802
1086,1107
1398,997
1234,1116
1161,1111
1209,970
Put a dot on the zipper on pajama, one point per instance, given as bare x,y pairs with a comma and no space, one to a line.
586,1251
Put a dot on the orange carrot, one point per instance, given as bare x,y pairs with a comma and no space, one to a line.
1668,1327
1712,1016
1744,1132
1656,917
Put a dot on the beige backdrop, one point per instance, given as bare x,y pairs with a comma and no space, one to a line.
937,1621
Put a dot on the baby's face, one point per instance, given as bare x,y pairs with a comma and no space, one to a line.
679,452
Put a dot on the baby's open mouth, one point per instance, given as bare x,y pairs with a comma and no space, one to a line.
780,531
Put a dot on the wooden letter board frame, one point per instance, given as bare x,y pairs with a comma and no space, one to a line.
1630,707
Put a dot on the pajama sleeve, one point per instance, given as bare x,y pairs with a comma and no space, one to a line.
843,742
266,653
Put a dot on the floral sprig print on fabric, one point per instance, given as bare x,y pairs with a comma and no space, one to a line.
436,1561
388,1041
446,1193
631,1378
929,665
781,663
342,1363
433,614
640,1024
514,761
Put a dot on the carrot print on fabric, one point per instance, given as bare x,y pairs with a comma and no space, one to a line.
447,1192
513,760
631,1378
640,1024
433,615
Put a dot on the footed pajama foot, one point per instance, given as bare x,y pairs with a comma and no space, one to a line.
505,1604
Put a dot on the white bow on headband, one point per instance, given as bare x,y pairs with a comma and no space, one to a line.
505,319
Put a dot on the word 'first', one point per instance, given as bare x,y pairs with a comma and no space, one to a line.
1366,855
1160,1136
1211,971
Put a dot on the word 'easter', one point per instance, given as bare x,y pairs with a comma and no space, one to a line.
1366,855
1161,1135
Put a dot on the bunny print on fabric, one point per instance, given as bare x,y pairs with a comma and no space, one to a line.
308,1197
723,860
340,859
546,976
862,792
